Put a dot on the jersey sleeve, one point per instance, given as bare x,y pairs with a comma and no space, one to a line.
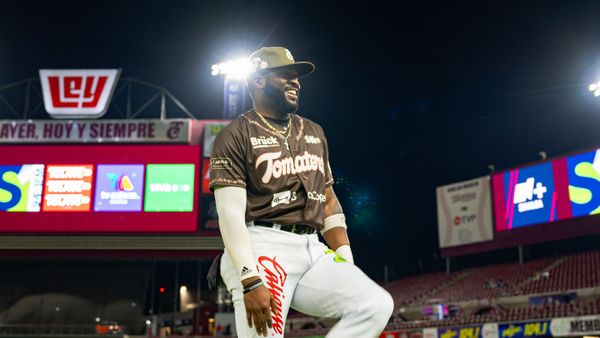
328,172
227,159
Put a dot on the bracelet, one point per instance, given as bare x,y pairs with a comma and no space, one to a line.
252,286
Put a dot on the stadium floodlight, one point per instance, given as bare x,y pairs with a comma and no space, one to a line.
234,73
595,88
237,69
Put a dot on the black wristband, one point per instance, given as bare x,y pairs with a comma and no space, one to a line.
253,285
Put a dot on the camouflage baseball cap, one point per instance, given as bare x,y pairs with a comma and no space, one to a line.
273,58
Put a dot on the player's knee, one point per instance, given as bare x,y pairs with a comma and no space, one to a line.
381,306
387,306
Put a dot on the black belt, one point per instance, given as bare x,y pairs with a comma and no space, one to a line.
299,229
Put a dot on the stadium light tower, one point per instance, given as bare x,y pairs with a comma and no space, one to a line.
234,73
595,88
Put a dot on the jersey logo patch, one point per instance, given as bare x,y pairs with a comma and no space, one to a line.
219,163
276,167
245,271
264,142
312,139
284,197
315,196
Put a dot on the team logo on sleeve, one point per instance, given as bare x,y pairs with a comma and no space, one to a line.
217,163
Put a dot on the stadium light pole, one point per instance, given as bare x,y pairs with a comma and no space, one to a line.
234,74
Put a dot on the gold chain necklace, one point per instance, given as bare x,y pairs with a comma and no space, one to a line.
283,134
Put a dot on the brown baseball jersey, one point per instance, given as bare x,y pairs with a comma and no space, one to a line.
285,179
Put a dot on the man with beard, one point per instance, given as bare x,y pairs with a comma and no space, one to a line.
273,189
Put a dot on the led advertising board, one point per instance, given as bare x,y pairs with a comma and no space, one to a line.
21,187
528,196
584,183
68,187
99,188
542,202
119,187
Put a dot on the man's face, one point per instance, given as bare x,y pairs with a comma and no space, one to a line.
282,88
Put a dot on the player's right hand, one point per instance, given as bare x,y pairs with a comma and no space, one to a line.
259,304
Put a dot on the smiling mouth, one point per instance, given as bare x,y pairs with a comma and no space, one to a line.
292,94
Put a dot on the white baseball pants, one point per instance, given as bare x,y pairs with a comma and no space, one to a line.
303,273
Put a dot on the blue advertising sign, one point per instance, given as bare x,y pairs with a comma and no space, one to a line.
460,332
530,196
119,187
522,330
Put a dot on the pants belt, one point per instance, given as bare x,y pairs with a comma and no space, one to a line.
299,229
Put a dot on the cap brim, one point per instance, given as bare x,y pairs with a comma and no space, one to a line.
303,68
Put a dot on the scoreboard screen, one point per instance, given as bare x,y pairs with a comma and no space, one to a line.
99,188
584,183
541,202
564,188
527,196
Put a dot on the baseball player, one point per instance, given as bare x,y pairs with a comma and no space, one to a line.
273,189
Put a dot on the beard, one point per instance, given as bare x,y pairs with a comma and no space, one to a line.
277,97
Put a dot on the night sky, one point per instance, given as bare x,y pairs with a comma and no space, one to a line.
425,94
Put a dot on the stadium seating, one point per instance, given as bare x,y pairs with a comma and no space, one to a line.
575,308
575,272
489,282
415,289
485,285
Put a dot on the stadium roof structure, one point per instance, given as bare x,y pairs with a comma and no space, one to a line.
132,99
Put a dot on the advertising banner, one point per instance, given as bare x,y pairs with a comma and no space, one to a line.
562,298
78,93
476,331
119,187
584,183
416,333
68,187
430,333
528,196
575,326
95,131
522,330
456,332
211,130
99,188
169,187
464,212
21,187
206,176
490,330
